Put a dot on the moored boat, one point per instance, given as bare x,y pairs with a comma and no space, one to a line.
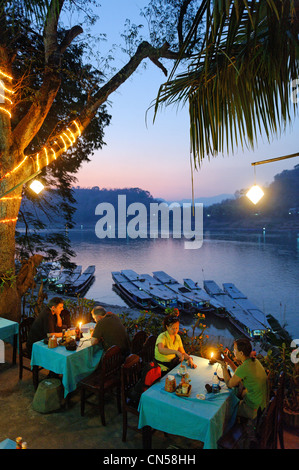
131,293
82,282
54,273
160,296
242,320
188,301
67,278
212,303
246,304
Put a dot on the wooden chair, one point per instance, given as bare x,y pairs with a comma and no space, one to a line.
147,352
279,410
265,434
24,328
105,378
130,374
138,341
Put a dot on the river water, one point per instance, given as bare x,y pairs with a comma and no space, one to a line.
264,266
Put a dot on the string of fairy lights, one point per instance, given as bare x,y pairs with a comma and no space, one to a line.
61,143
4,89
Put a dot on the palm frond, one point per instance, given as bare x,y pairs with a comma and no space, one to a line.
239,85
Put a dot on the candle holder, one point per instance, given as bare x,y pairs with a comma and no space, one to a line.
219,356
79,334
212,360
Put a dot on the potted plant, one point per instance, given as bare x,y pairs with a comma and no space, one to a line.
280,358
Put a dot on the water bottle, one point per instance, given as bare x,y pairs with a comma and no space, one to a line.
215,383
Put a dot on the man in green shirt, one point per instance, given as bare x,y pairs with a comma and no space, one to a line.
252,375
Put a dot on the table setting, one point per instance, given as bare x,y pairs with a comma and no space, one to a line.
73,364
195,414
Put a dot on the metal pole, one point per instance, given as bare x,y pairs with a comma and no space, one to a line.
275,159
22,182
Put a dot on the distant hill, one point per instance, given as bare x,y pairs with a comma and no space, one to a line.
87,199
277,210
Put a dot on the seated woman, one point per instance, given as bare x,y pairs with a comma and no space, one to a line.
169,349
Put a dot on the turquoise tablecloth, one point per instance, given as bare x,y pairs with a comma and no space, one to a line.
8,329
73,365
7,444
203,420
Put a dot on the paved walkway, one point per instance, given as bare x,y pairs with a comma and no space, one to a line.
66,429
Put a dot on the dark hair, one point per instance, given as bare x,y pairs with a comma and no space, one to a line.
55,301
170,320
99,311
244,346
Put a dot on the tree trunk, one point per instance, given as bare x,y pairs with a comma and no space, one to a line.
15,168
12,287
10,301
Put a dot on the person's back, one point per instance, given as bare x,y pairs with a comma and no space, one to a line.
255,381
112,332
48,321
40,327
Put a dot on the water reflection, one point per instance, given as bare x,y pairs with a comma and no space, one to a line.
264,268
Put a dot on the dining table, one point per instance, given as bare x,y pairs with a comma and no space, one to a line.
200,416
8,444
9,331
73,365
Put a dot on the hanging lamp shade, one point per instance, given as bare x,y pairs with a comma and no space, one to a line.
36,186
255,193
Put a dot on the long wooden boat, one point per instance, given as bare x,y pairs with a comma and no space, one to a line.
82,282
242,320
67,279
54,273
132,294
43,272
242,300
161,296
212,302
194,303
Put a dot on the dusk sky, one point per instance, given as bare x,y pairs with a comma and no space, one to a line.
155,156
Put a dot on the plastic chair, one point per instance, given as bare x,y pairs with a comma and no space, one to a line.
130,374
147,352
138,341
24,328
105,378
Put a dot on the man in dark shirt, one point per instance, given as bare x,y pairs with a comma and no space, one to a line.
109,331
46,322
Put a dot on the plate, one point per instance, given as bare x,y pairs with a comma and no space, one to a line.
181,375
180,394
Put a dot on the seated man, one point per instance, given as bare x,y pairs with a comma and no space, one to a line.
109,331
253,376
48,321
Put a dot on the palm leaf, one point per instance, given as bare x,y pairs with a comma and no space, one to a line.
31,9
238,86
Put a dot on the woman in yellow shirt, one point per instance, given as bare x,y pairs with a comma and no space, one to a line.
169,349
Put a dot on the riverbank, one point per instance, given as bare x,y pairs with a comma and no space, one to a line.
257,224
